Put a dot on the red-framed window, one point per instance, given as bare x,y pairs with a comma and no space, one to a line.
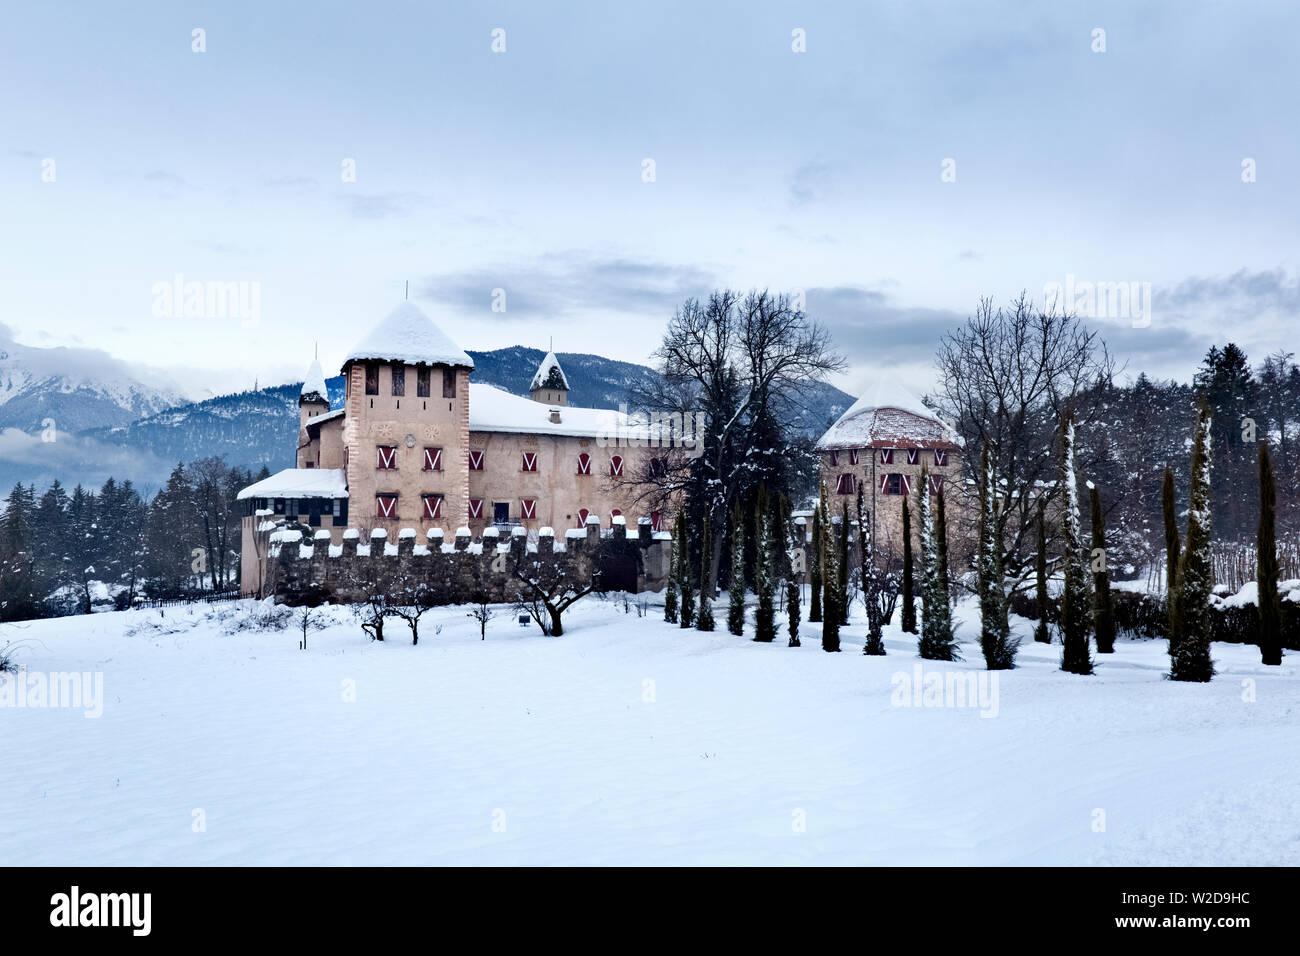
386,505
835,458
844,485
886,456
432,505
584,463
936,484
914,456
582,517
387,457
940,457
853,456
476,507
433,459
529,461
528,507
476,461
616,513
616,466
893,484
656,520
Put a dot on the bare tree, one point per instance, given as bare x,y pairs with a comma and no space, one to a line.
548,589
1008,376
482,613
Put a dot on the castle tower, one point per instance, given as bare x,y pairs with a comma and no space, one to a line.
549,384
313,400
406,430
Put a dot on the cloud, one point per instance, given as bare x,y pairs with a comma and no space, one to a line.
392,205
562,283
869,326
79,365
809,182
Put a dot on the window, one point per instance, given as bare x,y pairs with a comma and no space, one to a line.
372,378
530,461
844,485
853,456
449,383
386,506
656,521
387,457
658,467
835,458
940,457
528,507
476,507
584,463
886,456
501,512
616,466
399,380
433,459
476,461
892,484
616,513
936,484
913,456
582,517
432,505
279,506
422,382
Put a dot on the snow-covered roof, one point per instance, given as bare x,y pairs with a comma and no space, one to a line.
408,335
549,374
313,386
493,410
300,483
888,415
324,417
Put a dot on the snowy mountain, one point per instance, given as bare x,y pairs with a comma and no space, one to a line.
255,428
76,388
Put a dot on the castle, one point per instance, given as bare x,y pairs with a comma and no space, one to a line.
417,446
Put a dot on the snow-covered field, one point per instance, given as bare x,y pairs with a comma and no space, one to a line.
628,741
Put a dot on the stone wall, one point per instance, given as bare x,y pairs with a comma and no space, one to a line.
304,566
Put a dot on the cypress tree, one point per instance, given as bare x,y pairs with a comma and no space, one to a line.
736,584
1270,609
995,631
830,579
1076,656
1172,544
1103,602
937,642
908,621
670,592
941,549
815,568
764,614
684,581
1189,645
1041,634
842,564
704,615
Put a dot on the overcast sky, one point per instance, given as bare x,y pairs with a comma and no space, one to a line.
523,170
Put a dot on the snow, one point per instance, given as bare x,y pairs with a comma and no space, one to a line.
494,410
300,483
324,417
630,742
313,386
408,335
876,418
544,372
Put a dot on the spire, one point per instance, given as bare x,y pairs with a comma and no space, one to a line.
550,384
313,385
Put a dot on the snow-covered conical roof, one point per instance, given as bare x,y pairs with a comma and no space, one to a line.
313,386
408,335
549,374
888,413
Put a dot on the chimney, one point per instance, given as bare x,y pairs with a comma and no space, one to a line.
555,416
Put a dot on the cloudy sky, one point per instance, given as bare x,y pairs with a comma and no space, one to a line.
525,170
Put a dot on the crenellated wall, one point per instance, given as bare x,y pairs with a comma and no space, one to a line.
304,569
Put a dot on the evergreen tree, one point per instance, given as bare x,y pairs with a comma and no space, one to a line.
1172,543
1041,633
995,632
937,642
909,574
1103,602
1270,608
19,599
764,625
704,616
830,579
1076,657
815,568
842,584
1189,645
941,548
736,580
674,573
685,584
